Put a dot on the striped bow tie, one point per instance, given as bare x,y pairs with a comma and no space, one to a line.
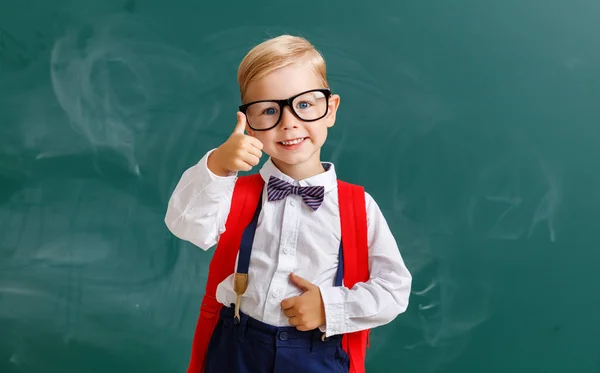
278,189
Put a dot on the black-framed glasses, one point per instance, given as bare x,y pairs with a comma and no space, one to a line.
307,106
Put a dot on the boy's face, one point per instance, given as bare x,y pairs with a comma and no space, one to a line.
294,145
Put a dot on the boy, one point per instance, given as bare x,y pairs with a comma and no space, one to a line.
286,308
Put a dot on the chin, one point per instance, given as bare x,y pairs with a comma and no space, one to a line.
293,161
297,159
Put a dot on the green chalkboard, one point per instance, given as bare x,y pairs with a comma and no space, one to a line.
474,124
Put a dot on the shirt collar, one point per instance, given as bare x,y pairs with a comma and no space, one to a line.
328,179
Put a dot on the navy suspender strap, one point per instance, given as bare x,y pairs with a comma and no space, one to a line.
339,275
240,278
247,241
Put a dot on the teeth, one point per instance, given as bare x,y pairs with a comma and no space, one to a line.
292,142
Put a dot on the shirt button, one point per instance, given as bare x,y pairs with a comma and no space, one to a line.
275,293
286,250
292,203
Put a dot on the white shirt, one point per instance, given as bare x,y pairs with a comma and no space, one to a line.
291,237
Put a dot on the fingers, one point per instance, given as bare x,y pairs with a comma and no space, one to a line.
256,143
243,166
294,321
290,312
296,317
254,151
288,303
300,324
251,159
243,161
247,155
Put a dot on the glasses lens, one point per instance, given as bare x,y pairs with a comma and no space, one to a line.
262,115
311,105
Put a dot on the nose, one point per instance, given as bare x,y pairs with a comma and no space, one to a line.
288,119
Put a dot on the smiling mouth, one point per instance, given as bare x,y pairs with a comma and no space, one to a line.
292,142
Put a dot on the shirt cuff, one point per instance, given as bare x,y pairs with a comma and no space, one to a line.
335,311
217,183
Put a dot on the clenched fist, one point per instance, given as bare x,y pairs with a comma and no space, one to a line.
239,153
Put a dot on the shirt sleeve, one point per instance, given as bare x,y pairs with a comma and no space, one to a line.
383,297
199,206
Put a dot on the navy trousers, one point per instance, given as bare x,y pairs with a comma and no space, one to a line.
250,346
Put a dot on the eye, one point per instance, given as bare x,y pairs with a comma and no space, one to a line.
270,111
304,105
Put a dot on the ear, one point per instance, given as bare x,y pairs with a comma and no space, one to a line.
334,103
249,131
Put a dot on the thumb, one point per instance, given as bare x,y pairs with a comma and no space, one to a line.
300,282
240,127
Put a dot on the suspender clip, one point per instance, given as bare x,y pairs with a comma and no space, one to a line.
240,284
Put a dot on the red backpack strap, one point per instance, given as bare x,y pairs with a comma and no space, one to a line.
243,204
246,195
353,217
353,220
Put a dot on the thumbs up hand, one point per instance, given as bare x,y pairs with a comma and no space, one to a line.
305,311
239,153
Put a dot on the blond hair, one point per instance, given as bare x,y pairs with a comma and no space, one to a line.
276,53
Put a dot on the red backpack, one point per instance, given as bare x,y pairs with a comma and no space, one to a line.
246,195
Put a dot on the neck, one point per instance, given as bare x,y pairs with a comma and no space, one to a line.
300,171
